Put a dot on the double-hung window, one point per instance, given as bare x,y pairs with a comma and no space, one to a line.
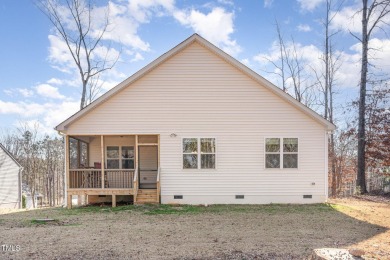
120,157
281,153
199,153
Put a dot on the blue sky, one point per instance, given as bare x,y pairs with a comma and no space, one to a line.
39,84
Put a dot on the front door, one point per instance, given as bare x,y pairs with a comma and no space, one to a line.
148,166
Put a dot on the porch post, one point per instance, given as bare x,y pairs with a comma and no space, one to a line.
102,164
68,199
113,200
69,202
136,151
136,184
158,151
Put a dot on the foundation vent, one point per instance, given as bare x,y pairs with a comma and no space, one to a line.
240,196
307,196
178,197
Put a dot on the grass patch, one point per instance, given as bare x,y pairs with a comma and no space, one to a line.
172,209
219,209
152,209
42,222
94,209
341,208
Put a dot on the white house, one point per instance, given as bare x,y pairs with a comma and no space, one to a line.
196,126
10,181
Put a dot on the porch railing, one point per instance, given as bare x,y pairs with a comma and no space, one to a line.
92,179
118,179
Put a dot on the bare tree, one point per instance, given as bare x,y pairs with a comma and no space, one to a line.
74,22
326,80
42,158
281,71
302,91
290,67
372,18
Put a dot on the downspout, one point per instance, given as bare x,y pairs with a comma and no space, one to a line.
326,164
65,202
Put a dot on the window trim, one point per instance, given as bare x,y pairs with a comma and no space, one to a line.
281,153
199,154
120,156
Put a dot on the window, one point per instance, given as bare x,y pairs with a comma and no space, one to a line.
190,153
78,154
199,153
281,153
120,157
290,152
207,153
127,157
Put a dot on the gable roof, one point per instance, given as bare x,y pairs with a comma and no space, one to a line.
197,38
10,155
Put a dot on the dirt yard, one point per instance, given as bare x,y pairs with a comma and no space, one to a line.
189,232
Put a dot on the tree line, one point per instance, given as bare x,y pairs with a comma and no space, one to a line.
42,159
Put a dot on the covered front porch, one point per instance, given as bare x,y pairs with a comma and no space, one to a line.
102,168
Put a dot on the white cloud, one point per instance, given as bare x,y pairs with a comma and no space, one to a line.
55,81
21,108
226,2
48,91
124,28
137,57
48,115
379,55
8,92
304,28
246,62
268,3
309,5
216,26
60,112
348,19
26,92
142,10
59,55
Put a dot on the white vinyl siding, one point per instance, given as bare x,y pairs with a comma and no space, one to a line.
9,182
198,94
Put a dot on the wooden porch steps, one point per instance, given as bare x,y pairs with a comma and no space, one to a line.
147,196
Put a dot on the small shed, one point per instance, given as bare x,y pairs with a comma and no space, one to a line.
10,180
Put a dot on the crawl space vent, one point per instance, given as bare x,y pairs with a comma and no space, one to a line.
307,196
178,197
240,196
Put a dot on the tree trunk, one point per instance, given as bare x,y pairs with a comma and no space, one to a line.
361,171
82,102
326,94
